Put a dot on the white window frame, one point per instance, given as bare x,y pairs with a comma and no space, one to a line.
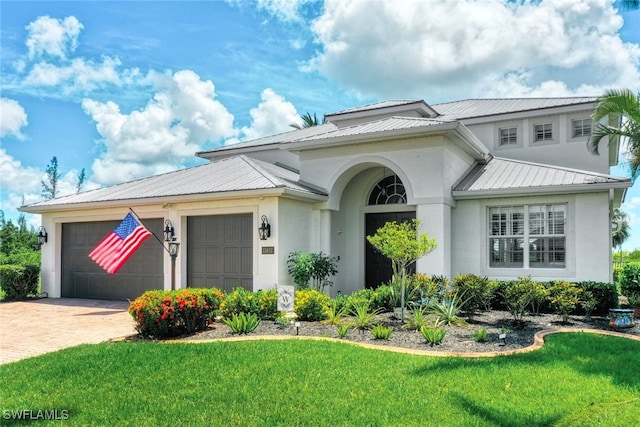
583,130
543,131
528,236
511,136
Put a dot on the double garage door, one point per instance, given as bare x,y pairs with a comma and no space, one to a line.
219,254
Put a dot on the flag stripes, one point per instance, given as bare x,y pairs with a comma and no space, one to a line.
118,246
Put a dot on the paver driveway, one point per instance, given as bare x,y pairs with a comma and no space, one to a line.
30,328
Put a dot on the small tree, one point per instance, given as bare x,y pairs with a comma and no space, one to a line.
564,298
50,186
317,267
401,243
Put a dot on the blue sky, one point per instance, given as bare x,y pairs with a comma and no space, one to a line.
127,89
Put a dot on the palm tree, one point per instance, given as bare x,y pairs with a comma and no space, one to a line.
307,121
621,107
620,229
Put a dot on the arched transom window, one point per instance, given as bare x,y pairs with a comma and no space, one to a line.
387,191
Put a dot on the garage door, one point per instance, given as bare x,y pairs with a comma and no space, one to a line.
83,278
220,251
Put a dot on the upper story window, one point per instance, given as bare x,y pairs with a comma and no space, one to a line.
508,136
529,236
543,132
581,127
389,190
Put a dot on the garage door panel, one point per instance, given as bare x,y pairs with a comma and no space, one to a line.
83,278
227,242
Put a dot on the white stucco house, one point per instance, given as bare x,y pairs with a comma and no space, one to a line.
506,186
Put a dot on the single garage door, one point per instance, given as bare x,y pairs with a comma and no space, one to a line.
83,278
220,252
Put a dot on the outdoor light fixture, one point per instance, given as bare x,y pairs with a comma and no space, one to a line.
174,247
169,233
42,235
265,229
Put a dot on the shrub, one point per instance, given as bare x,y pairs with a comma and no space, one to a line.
383,298
361,295
448,310
19,281
539,297
564,298
518,295
239,301
334,311
363,316
381,332
317,267
629,279
267,304
588,303
242,323
310,304
422,288
433,336
480,335
342,330
478,291
418,318
163,314
605,294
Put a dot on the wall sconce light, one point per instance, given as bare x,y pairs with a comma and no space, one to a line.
169,232
42,235
265,229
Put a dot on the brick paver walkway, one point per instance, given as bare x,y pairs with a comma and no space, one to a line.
30,328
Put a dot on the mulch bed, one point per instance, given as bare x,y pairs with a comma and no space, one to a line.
458,339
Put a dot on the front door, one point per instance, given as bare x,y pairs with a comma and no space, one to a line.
378,267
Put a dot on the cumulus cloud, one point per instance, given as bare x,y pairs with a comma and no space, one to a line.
182,116
48,36
468,48
272,116
12,118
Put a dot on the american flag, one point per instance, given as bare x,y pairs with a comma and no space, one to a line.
118,246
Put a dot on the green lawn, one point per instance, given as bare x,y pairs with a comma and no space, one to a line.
575,379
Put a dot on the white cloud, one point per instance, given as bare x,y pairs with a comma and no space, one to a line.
53,37
182,116
466,48
14,177
12,118
273,115
283,10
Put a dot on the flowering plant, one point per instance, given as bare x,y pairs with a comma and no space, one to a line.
161,314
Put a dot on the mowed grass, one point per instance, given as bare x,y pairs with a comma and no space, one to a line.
575,379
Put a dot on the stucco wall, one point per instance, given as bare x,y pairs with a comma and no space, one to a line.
588,233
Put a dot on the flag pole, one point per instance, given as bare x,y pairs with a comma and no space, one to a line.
154,234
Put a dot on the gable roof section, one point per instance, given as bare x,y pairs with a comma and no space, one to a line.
471,108
500,177
233,174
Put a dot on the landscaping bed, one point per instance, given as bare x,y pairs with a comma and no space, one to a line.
457,338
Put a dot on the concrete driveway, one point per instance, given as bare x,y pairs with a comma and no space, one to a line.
30,328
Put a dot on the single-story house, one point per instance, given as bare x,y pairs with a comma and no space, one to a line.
507,187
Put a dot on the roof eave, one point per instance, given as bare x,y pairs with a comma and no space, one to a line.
186,198
548,190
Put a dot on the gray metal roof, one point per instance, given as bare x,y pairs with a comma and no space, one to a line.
226,175
377,126
471,108
377,106
505,175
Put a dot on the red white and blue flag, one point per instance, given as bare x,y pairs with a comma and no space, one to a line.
118,246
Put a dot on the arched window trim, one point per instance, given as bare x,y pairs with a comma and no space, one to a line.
389,190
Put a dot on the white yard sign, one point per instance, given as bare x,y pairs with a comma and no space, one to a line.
285,298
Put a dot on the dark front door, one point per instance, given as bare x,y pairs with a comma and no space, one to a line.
378,267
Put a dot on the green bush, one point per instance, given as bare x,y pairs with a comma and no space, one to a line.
478,291
383,298
19,281
564,298
310,304
380,332
422,288
317,267
163,314
518,296
629,279
605,294
239,301
432,335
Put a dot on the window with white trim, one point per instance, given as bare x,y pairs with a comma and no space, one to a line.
581,127
529,236
543,132
508,136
